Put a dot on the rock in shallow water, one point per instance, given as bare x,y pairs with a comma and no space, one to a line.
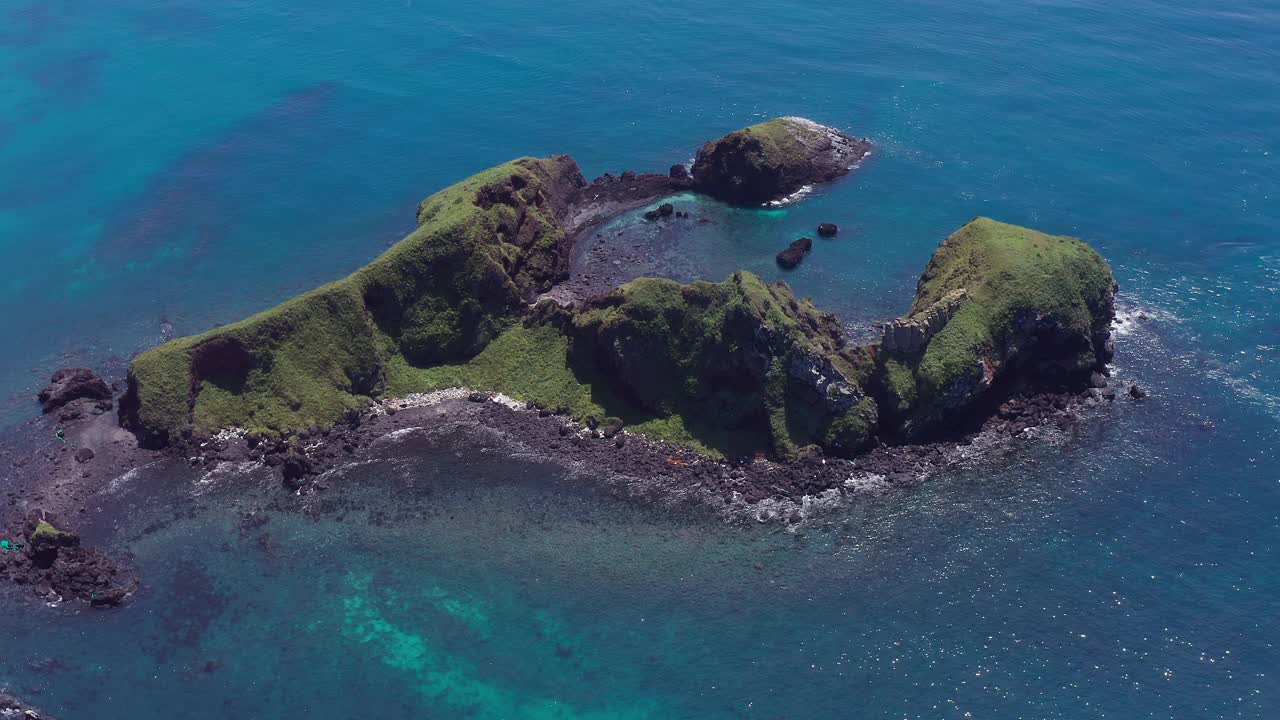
792,256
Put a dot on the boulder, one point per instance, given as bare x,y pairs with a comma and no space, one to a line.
612,426
794,253
679,172
84,455
70,384
828,230
295,467
774,159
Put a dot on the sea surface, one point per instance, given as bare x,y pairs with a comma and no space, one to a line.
178,163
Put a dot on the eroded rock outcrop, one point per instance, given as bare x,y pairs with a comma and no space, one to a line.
794,253
774,159
38,552
71,384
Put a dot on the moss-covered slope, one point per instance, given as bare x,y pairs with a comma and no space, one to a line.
997,305
481,250
773,159
747,356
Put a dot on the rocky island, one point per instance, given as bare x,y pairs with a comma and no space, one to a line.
676,380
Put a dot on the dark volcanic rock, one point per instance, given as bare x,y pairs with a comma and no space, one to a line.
679,172
665,210
828,230
792,256
774,159
612,426
296,466
51,561
1136,392
70,384
84,455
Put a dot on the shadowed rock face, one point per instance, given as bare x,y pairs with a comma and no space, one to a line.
912,334
774,159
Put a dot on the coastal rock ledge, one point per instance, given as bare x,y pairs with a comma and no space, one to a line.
11,707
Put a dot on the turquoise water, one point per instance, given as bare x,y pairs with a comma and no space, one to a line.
194,162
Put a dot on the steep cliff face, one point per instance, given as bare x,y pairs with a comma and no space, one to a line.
774,159
999,307
482,249
740,353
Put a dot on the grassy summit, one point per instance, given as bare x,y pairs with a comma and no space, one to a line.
481,250
1040,304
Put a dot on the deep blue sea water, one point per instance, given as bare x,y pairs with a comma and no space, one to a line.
183,162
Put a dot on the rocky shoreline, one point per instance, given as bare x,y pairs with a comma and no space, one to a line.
51,487
11,707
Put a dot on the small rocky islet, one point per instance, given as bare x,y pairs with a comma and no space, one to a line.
738,386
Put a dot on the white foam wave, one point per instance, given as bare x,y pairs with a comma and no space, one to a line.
223,471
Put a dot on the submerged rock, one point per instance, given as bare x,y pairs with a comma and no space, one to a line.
70,384
774,159
828,230
794,253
